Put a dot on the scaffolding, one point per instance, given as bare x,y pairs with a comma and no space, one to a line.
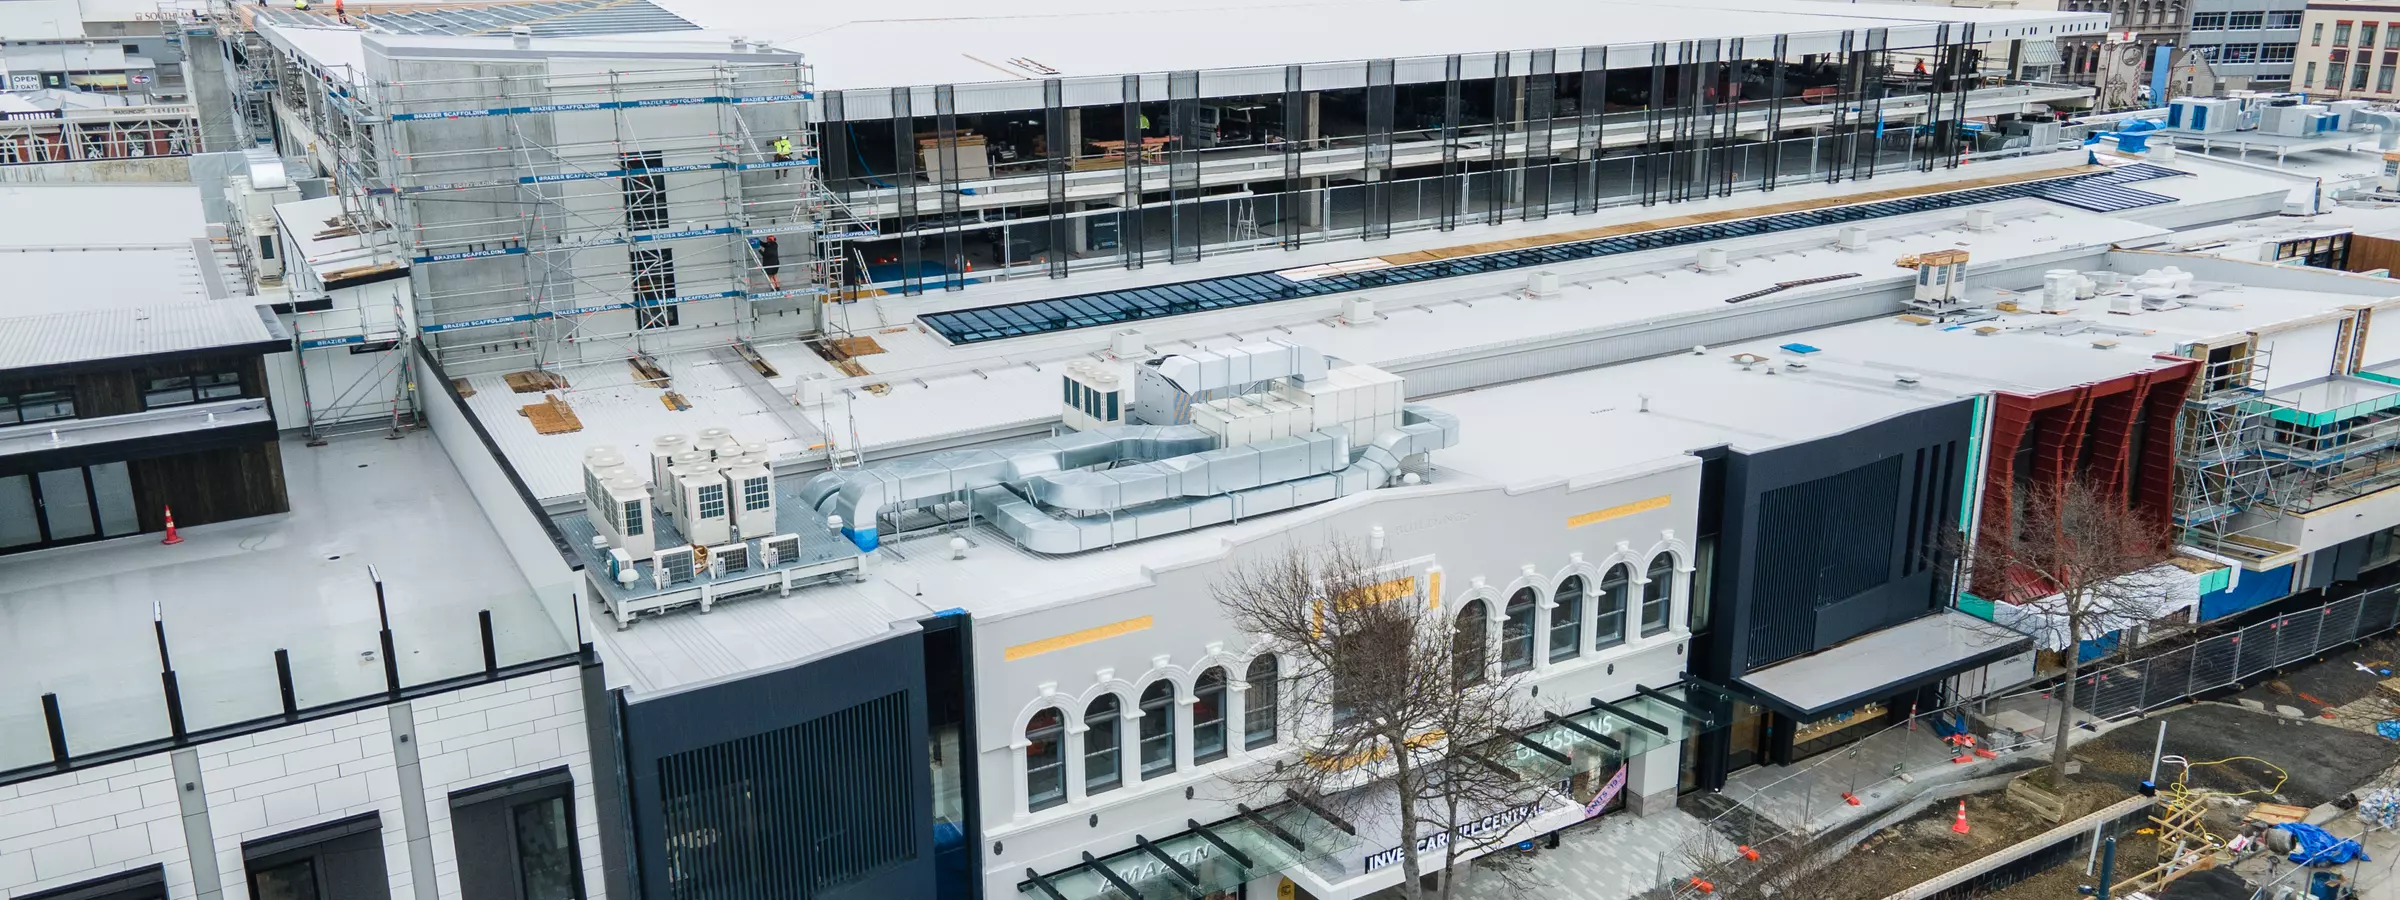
2227,481
529,200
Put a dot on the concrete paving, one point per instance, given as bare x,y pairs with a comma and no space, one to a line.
1623,856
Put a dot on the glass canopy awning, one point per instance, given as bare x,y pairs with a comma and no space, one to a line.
1606,733
1202,859
1220,856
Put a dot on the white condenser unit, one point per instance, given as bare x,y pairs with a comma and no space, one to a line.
779,550
672,566
623,515
729,559
663,450
752,488
1092,396
705,503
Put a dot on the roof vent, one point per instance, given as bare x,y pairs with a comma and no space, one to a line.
741,44
521,35
1712,259
1908,379
1979,220
1852,238
1748,359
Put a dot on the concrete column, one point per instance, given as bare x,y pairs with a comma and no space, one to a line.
1129,747
1541,631
1237,718
1020,798
1073,748
1650,780
199,839
412,802
1318,206
1183,731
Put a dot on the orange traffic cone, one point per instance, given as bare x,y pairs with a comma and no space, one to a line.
1748,853
1960,826
172,537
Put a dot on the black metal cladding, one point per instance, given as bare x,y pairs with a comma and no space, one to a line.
1453,179
1184,212
787,814
1061,152
1541,94
1821,542
1592,99
1295,130
904,174
1129,222
1376,176
991,323
945,136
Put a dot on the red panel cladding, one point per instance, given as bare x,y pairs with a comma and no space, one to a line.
2010,413
2154,493
2112,433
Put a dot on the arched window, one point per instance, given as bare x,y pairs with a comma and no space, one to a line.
1566,620
1045,759
1208,717
1104,728
1608,608
1258,709
1516,634
1466,642
1158,729
1656,592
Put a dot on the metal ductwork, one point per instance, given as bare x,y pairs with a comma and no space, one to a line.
2388,122
1376,465
859,496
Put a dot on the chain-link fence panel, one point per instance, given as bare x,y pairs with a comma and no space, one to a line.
2257,645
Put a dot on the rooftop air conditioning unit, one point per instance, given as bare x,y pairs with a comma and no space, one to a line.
729,559
753,487
620,563
621,514
672,566
780,550
663,450
704,504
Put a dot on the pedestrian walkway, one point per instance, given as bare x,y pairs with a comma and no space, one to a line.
1615,858
1623,856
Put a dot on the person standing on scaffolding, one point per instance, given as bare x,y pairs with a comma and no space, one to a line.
783,153
770,260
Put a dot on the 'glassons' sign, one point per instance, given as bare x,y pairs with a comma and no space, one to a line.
1496,823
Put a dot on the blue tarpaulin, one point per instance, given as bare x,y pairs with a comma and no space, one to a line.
2317,847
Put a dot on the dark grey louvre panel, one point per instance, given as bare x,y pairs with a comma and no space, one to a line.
794,813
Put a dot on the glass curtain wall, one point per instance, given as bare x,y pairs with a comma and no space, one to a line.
1174,171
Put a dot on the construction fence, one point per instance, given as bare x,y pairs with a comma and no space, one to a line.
1791,810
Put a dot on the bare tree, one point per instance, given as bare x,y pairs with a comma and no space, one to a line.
2069,560
1386,695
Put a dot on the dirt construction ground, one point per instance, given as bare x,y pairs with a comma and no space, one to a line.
1922,847
2324,761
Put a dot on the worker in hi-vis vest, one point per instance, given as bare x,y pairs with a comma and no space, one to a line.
783,153
301,5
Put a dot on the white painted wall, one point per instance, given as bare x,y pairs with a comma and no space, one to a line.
2302,353
108,819
1481,538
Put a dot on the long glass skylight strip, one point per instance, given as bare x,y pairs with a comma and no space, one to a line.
2099,192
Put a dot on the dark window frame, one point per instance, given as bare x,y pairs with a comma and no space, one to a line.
1566,615
1110,777
1050,764
1261,703
1209,742
1158,729
645,192
185,390
554,784
1658,595
1608,606
1516,631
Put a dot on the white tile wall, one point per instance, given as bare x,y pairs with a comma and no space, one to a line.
107,819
